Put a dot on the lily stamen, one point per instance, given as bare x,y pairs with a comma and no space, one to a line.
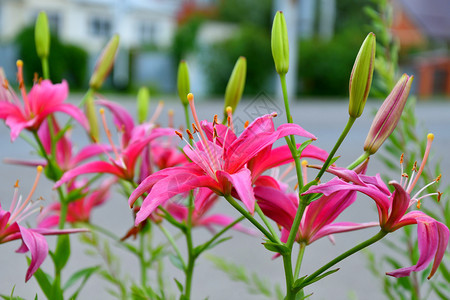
25,206
157,112
19,64
108,133
430,138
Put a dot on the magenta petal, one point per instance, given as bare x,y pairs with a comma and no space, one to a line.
341,227
167,188
400,203
122,119
427,234
71,110
92,167
293,129
89,152
242,183
38,247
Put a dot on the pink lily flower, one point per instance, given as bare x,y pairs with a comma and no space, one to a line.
79,210
134,141
281,206
219,165
392,208
65,158
43,100
32,238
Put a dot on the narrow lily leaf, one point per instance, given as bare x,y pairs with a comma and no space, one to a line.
282,249
334,159
83,273
203,247
177,262
319,277
62,251
303,146
179,285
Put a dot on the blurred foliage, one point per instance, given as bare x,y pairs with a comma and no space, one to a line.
257,12
325,66
185,38
67,61
251,42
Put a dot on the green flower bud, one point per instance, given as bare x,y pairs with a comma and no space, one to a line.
388,115
280,44
183,82
42,35
236,84
92,117
361,77
104,63
143,102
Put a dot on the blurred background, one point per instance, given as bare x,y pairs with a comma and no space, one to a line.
324,38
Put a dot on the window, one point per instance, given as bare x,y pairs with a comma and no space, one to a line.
100,27
147,33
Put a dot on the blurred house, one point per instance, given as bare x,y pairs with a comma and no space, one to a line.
425,26
90,24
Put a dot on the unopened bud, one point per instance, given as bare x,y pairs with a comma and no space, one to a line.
143,101
280,44
104,63
92,117
42,35
388,115
183,82
236,84
361,77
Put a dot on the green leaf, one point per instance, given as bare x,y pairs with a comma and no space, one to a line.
80,274
274,247
176,261
203,247
62,252
179,285
302,284
302,147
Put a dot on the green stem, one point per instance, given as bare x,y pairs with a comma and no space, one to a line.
299,259
358,161
344,133
296,224
190,248
381,234
287,263
249,217
45,68
142,261
292,145
171,240
266,222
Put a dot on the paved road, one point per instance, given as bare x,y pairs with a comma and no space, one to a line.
323,118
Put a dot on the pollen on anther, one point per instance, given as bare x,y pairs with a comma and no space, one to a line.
418,204
179,134
401,158
16,185
246,124
415,166
190,97
194,128
430,136
438,178
5,84
215,120
39,168
215,134
189,134
439,195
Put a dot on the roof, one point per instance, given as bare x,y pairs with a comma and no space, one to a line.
431,16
